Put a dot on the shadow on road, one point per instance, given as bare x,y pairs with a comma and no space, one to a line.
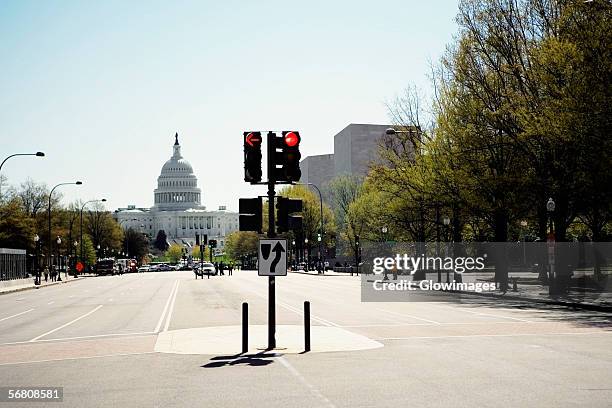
253,360
579,317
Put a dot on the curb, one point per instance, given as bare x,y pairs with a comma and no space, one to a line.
4,292
315,274
575,305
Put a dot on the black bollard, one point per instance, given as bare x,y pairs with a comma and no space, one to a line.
245,327
306,326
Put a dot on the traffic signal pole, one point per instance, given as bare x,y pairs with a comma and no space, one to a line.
271,234
271,279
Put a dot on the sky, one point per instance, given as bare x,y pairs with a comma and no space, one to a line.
102,87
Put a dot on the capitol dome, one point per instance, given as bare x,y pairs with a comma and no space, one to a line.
177,186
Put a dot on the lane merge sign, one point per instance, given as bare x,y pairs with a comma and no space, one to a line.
272,257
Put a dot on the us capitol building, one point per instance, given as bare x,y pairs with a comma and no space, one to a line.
178,210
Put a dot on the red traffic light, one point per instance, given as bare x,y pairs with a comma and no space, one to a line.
252,138
292,139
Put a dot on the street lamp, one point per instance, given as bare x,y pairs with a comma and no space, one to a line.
320,238
446,221
306,254
78,183
550,209
37,244
81,227
75,244
58,267
37,154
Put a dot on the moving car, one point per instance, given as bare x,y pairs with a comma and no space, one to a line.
204,269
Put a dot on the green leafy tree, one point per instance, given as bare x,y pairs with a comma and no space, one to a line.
241,243
16,227
174,253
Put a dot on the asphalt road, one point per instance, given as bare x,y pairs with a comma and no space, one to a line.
96,338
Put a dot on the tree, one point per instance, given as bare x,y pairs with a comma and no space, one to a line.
343,190
16,228
34,197
174,253
195,252
161,241
241,243
311,215
135,244
103,229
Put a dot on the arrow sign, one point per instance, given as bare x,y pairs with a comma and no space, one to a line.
253,139
278,250
272,257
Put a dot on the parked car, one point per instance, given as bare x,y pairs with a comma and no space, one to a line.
144,268
205,269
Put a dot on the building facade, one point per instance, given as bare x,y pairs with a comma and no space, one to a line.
178,209
355,147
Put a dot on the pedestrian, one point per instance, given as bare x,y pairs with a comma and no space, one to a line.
221,267
230,269
216,268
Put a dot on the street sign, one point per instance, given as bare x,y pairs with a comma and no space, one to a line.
79,266
272,257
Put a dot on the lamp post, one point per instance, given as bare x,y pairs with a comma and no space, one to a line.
58,267
78,183
446,222
523,226
75,244
37,244
320,237
550,209
294,253
81,226
37,154
306,254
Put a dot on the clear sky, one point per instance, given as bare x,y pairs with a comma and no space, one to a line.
101,87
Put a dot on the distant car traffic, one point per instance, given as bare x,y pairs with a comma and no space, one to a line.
205,269
144,268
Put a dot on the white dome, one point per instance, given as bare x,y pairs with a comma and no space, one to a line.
177,185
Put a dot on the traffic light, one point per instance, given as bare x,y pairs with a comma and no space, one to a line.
212,243
284,157
252,157
250,214
284,220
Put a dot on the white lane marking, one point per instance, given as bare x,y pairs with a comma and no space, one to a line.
490,315
51,302
325,322
67,324
407,315
308,385
94,336
444,324
161,318
78,358
178,283
15,315
494,335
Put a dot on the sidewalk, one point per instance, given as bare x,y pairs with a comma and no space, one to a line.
315,273
591,300
28,283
